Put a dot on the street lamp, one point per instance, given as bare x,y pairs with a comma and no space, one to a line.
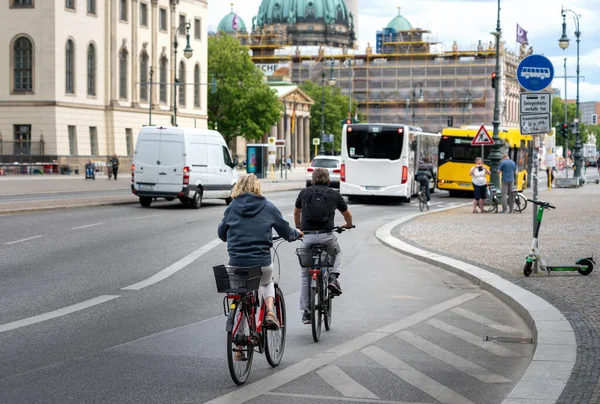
563,42
495,154
414,98
187,52
331,83
467,105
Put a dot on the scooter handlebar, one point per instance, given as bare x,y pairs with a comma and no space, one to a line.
546,205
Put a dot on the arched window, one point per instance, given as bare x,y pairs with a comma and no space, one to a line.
123,74
70,67
144,77
163,80
91,70
197,86
23,65
181,85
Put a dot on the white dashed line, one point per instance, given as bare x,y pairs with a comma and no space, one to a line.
86,226
24,239
145,217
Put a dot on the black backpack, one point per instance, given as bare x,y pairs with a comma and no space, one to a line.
317,207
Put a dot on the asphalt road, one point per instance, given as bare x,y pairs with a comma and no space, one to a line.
62,195
118,305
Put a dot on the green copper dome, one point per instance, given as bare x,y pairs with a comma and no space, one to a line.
399,23
228,22
298,11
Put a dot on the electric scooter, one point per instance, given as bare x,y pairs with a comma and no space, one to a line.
584,265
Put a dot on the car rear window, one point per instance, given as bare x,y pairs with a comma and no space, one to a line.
325,163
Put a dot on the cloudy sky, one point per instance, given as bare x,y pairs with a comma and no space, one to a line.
469,21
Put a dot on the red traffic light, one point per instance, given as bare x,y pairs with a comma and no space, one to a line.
494,78
564,125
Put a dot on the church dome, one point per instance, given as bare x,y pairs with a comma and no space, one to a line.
399,23
229,22
299,11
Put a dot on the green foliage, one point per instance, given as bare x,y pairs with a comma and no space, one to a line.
243,104
558,117
336,109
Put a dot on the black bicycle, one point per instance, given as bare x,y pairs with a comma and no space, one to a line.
422,197
318,259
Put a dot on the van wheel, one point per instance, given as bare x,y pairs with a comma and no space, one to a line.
196,203
145,201
170,199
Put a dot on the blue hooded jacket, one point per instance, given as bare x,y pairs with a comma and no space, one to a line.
247,227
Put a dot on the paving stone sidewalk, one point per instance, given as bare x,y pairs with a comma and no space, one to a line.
500,243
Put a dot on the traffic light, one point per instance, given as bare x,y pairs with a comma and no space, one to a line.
494,79
563,130
450,121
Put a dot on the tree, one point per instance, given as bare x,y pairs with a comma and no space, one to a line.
243,104
558,117
336,109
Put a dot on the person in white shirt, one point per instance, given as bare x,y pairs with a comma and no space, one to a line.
478,173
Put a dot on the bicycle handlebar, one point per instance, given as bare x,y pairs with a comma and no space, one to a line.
337,229
546,205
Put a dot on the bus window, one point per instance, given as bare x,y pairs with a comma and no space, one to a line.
363,142
459,149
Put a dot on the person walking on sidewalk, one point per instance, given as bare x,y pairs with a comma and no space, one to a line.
478,173
115,165
508,168
314,211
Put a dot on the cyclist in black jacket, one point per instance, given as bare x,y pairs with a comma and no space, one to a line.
423,175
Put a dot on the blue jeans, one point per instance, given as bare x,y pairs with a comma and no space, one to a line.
89,172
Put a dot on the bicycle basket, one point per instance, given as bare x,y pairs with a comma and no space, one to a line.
316,257
240,280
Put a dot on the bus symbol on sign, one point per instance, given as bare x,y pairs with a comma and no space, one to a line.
535,73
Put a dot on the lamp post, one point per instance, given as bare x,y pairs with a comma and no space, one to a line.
563,42
187,52
414,98
496,154
467,105
331,83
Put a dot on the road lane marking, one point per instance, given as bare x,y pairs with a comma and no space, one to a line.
412,376
332,398
343,383
299,369
145,217
86,226
472,338
56,313
172,269
451,359
23,239
484,320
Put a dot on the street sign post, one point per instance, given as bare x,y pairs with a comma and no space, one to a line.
316,142
536,103
536,124
482,138
535,73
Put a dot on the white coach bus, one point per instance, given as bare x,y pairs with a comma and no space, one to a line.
382,159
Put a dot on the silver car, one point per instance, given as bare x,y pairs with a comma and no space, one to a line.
331,163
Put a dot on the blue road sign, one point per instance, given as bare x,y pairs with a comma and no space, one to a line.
535,73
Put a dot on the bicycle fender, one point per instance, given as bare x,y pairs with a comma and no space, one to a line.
313,283
230,318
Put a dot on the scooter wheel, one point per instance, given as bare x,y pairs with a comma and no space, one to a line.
587,262
527,269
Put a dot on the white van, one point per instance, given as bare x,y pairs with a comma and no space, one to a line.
188,164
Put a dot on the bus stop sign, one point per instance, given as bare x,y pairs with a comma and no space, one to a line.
535,73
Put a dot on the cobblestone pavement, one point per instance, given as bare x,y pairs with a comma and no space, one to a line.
500,243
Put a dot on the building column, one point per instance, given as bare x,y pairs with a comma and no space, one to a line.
173,62
114,53
300,137
288,136
135,57
295,141
307,143
154,59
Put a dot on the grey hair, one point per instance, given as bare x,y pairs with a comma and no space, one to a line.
320,177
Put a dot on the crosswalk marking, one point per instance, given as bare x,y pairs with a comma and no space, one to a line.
483,320
345,399
412,376
344,383
472,338
451,359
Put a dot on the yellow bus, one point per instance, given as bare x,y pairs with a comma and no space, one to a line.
457,156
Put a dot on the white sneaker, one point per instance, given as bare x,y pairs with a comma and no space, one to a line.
428,203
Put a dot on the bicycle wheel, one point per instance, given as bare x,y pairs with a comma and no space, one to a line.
491,206
239,349
520,202
327,307
421,202
316,314
275,339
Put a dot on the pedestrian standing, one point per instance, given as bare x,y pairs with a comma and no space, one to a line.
289,163
115,165
508,168
478,173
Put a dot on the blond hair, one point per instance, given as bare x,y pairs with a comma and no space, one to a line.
249,184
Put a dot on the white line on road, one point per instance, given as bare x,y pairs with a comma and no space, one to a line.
484,320
172,269
145,217
314,398
451,359
24,239
471,338
260,387
412,376
56,313
86,226
343,383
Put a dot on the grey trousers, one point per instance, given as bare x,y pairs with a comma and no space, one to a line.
507,196
328,239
